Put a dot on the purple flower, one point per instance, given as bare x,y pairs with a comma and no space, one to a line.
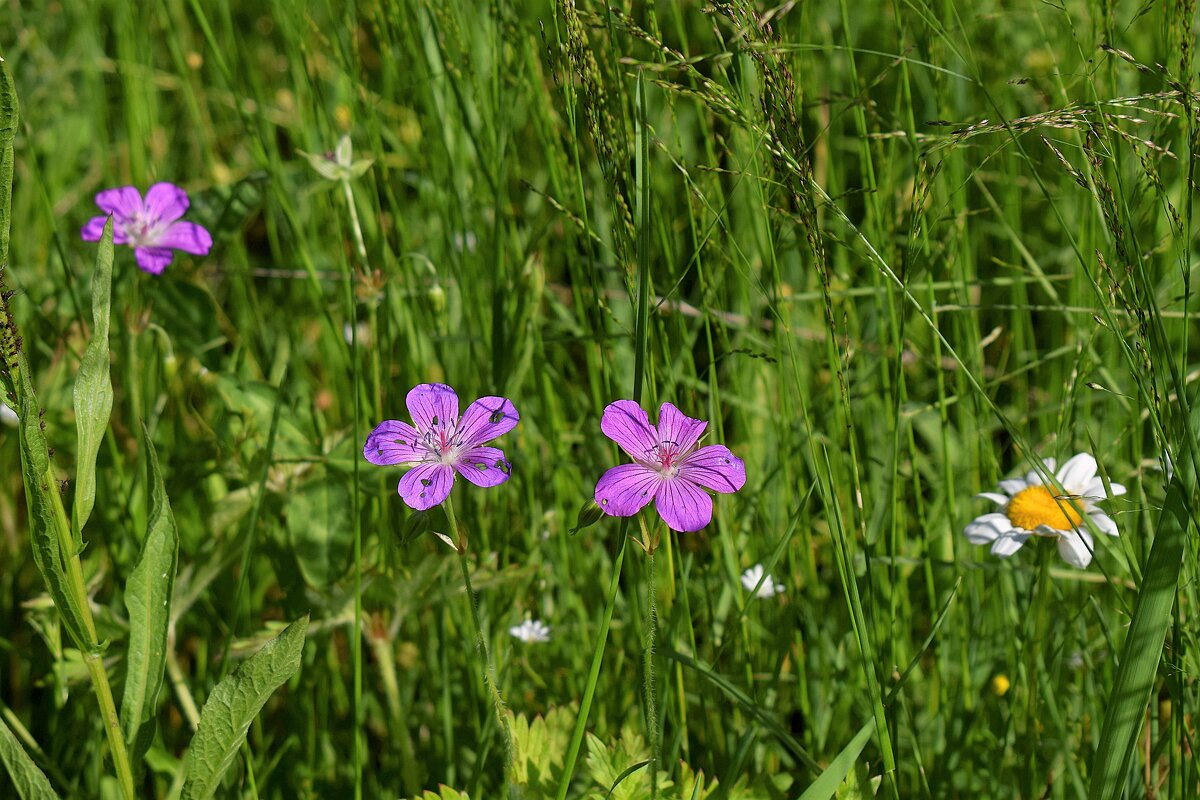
152,225
441,443
667,466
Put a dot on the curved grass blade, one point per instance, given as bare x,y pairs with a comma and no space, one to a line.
233,705
1143,644
148,600
831,778
93,390
27,777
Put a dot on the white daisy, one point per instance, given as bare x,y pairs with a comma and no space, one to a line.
1028,507
531,630
751,578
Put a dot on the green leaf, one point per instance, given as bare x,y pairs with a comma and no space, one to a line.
319,539
93,389
48,524
1144,643
148,600
29,779
233,705
10,116
828,782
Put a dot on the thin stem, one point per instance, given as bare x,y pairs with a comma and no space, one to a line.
648,665
589,691
481,644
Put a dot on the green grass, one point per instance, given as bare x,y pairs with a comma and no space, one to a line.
891,252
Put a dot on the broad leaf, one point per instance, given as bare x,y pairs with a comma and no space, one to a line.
233,705
27,777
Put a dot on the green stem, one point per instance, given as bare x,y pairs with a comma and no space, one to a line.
589,691
651,703
481,644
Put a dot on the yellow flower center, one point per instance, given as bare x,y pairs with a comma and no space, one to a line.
1036,506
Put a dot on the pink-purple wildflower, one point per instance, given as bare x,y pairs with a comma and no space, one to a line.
668,467
151,225
440,443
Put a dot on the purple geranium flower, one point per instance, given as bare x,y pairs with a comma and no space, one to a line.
667,466
152,225
441,443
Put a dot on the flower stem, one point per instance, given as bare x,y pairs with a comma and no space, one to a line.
481,645
589,690
651,703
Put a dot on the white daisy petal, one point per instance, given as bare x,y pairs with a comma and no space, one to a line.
998,499
1008,544
1075,547
986,528
1077,473
1013,486
1034,479
1104,522
1116,489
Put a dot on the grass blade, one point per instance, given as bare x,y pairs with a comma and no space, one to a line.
30,781
828,782
233,705
148,600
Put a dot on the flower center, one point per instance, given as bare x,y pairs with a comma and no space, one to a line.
141,229
443,444
668,456
1036,506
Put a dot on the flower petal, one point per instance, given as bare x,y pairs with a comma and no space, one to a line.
484,466
1075,547
998,499
394,442
1104,522
94,229
625,489
122,203
485,419
1077,473
987,528
1009,543
1013,486
165,202
1095,489
426,485
186,236
626,423
675,426
153,259
431,405
714,467
683,506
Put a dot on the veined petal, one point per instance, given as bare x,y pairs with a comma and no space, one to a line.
627,424
1104,522
153,259
394,442
122,203
1075,547
94,229
1009,543
713,467
186,236
675,426
484,466
485,419
426,485
998,499
987,528
1077,473
431,405
626,489
165,202
683,506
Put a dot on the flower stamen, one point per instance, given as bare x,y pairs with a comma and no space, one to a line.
1036,506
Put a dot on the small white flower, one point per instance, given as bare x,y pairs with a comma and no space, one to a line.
8,416
531,630
1030,508
751,578
363,329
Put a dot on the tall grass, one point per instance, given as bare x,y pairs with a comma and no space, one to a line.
892,253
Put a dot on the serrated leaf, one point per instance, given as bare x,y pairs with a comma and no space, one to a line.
27,777
48,524
148,600
233,705
93,389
